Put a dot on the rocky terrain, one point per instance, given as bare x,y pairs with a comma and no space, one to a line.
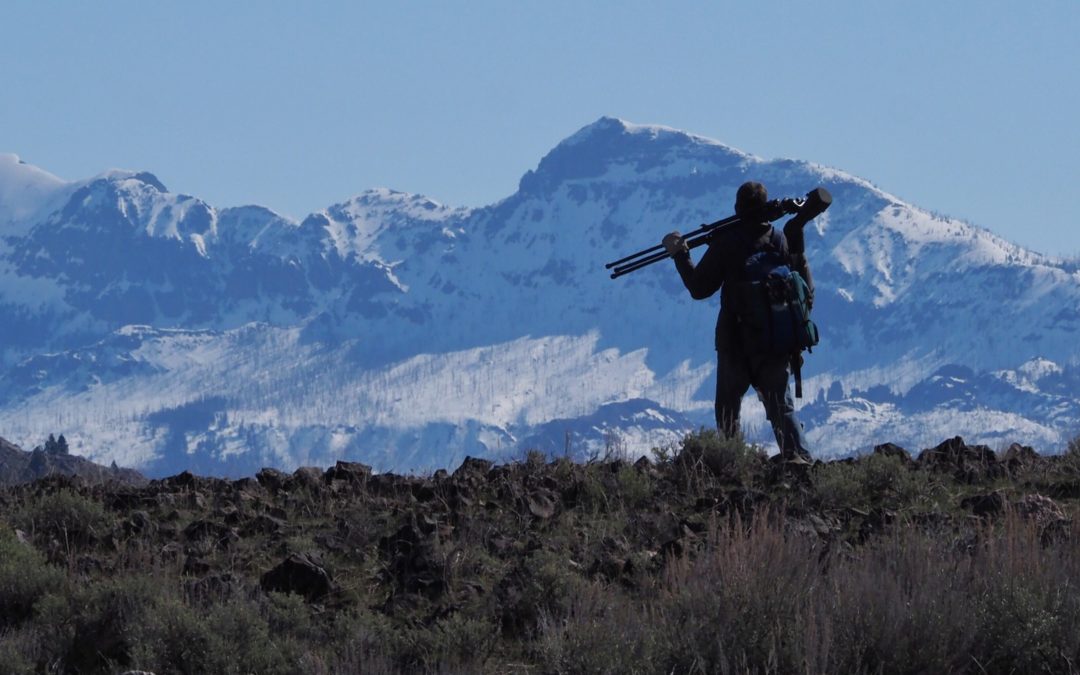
708,557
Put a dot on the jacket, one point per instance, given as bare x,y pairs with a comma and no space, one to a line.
722,267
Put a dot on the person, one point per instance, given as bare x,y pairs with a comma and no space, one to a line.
738,368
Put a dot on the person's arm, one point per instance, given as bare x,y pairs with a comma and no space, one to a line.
796,243
817,201
703,279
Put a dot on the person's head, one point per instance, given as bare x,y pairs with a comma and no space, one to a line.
750,200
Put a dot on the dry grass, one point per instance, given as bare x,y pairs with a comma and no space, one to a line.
710,560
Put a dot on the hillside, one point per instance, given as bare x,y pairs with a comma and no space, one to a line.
18,466
709,557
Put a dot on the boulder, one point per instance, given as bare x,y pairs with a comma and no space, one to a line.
271,479
350,472
1040,509
541,503
310,477
967,463
473,467
990,504
300,573
1017,456
893,450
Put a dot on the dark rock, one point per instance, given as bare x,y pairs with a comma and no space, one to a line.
217,534
230,515
1018,456
1040,509
473,467
195,501
350,472
185,479
331,542
401,542
271,479
1022,453
985,505
300,573
967,463
427,523
245,484
263,524
610,568
423,492
310,477
140,522
411,564
893,450
541,503
195,566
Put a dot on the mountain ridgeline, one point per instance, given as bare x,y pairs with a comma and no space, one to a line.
165,334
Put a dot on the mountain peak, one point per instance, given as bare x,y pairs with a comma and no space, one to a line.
24,188
606,128
608,142
120,175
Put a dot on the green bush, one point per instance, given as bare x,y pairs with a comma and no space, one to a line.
731,460
16,652
870,481
635,488
93,627
25,578
66,516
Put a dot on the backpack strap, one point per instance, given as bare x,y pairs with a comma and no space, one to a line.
796,370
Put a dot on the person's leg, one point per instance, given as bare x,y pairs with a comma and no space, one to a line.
732,381
771,383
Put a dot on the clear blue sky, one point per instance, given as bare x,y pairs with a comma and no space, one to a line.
966,108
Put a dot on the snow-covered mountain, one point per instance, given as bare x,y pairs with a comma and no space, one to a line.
160,332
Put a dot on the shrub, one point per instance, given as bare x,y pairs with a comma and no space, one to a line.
25,578
70,518
634,486
17,652
1070,459
872,480
94,626
729,459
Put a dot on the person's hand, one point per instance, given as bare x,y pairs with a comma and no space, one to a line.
817,200
675,244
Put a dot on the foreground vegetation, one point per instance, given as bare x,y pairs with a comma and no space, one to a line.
708,559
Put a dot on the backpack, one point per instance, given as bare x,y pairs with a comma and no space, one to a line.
771,304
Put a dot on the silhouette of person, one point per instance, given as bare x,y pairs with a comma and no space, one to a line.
738,367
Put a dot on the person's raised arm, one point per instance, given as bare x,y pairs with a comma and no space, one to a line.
703,279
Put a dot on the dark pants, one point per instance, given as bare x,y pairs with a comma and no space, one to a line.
734,375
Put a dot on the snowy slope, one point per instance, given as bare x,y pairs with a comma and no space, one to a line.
162,332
